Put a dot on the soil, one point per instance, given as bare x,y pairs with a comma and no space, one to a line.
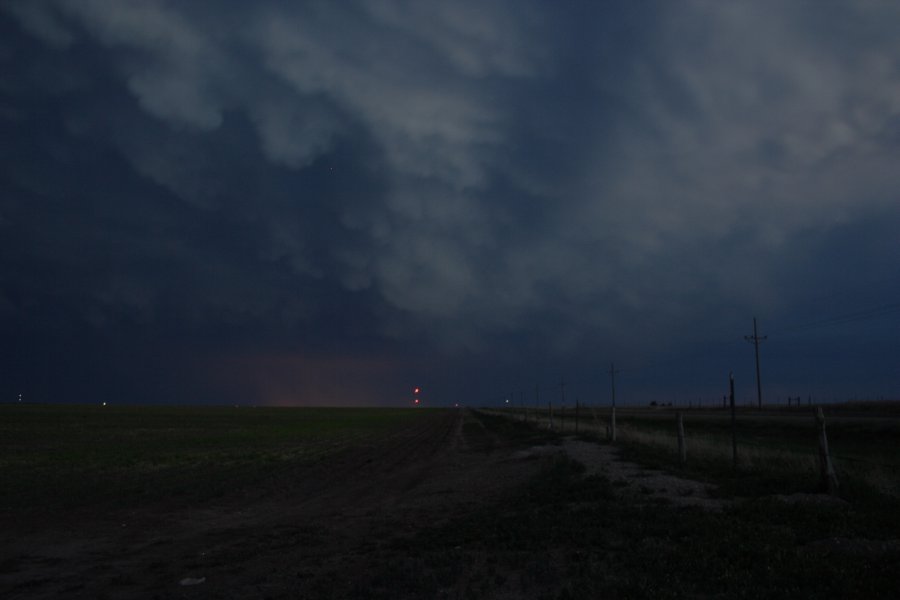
321,530
636,481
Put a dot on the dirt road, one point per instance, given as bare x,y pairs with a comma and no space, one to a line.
332,529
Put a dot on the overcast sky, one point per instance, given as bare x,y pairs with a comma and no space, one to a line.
330,202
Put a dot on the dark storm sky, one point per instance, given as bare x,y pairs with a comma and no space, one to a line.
330,202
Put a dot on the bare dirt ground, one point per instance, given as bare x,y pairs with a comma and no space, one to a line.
637,481
311,534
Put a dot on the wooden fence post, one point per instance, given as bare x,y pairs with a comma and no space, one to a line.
576,416
612,424
733,425
829,477
682,451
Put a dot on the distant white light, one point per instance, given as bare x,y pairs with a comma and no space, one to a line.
104,404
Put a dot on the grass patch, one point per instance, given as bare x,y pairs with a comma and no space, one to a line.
777,450
65,456
512,429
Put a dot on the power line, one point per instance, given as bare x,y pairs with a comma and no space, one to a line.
863,315
718,347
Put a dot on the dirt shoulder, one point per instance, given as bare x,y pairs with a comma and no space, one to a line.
635,480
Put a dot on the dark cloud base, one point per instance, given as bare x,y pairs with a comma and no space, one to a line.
315,204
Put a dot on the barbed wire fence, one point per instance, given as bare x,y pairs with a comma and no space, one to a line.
755,452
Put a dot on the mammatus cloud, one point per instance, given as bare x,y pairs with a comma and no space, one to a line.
735,134
755,124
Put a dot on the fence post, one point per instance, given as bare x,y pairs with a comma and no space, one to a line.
576,416
612,424
682,451
733,425
829,477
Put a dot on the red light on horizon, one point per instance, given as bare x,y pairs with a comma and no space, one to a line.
417,401
416,391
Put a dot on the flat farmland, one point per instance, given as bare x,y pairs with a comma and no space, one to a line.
104,457
128,503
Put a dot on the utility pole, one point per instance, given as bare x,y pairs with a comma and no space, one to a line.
612,420
562,401
756,340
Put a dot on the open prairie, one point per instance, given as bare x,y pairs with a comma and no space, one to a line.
382,503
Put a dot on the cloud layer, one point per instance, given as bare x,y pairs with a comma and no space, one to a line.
461,176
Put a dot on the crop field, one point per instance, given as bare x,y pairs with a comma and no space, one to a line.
59,456
143,502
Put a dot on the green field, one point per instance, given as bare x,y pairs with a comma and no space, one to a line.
69,456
